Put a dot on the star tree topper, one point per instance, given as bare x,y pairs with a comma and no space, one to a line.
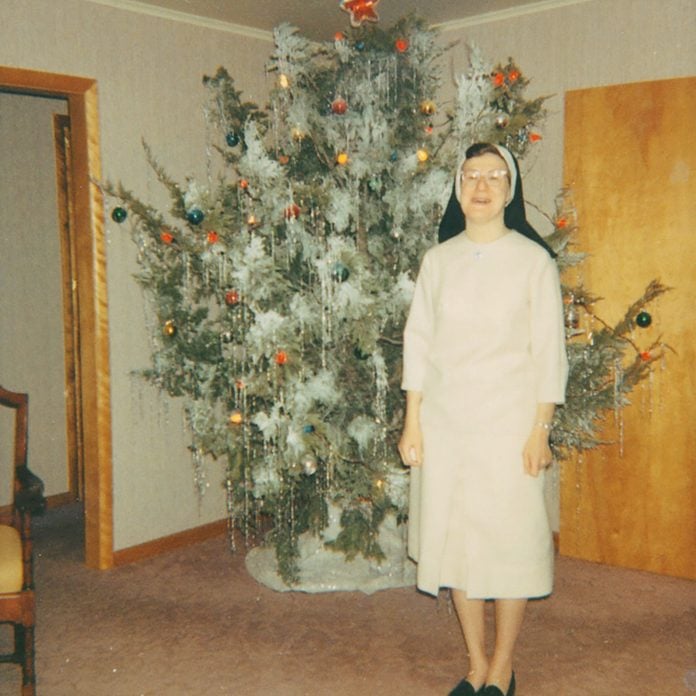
360,11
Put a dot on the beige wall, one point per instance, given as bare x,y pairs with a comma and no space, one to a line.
149,71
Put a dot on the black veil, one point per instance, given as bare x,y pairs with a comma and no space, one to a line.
453,221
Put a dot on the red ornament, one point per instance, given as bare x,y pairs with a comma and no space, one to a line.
401,45
281,357
166,236
292,212
498,79
646,356
243,184
360,11
339,36
231,298
339,106
561,223
283,159
213,237
513,76
534,137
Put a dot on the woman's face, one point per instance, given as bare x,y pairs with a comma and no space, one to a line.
485,185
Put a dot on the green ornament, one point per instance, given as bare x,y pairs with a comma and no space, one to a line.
340,272
643,319
119,214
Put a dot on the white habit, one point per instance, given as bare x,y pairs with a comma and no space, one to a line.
484,343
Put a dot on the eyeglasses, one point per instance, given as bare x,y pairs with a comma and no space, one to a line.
495,177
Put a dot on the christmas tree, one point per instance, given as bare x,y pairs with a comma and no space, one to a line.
280,289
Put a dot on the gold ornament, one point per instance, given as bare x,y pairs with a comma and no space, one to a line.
309,464
342,158
501,121
428,107
236,417
169,328
422,155
283,81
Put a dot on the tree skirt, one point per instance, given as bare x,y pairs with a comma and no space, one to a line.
324,570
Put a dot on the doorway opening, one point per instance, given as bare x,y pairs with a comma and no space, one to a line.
88,410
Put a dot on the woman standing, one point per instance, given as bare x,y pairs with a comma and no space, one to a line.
484,366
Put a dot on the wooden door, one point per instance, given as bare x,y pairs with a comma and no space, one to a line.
630,160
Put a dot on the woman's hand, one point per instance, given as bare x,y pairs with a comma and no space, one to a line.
411,445
536,454
411,442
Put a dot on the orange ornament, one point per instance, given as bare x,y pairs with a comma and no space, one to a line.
342,158
498,79
339,106
513,75
646,356
281,357
339,36
561,223
243,184
166,236
292,212
231,298
283,159
534,137
213,237
401,45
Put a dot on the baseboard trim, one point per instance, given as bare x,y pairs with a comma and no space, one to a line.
157,547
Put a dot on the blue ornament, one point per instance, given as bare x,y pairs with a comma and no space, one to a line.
360,45
309,429
340,272
195,216
394,156
119,214
232,139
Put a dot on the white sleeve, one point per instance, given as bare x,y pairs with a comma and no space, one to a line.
418,331
547,331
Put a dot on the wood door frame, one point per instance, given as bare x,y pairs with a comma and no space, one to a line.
71,335
90,281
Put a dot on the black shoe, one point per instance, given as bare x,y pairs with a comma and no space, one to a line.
493,690
465,688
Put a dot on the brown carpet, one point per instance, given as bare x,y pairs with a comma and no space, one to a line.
194,622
